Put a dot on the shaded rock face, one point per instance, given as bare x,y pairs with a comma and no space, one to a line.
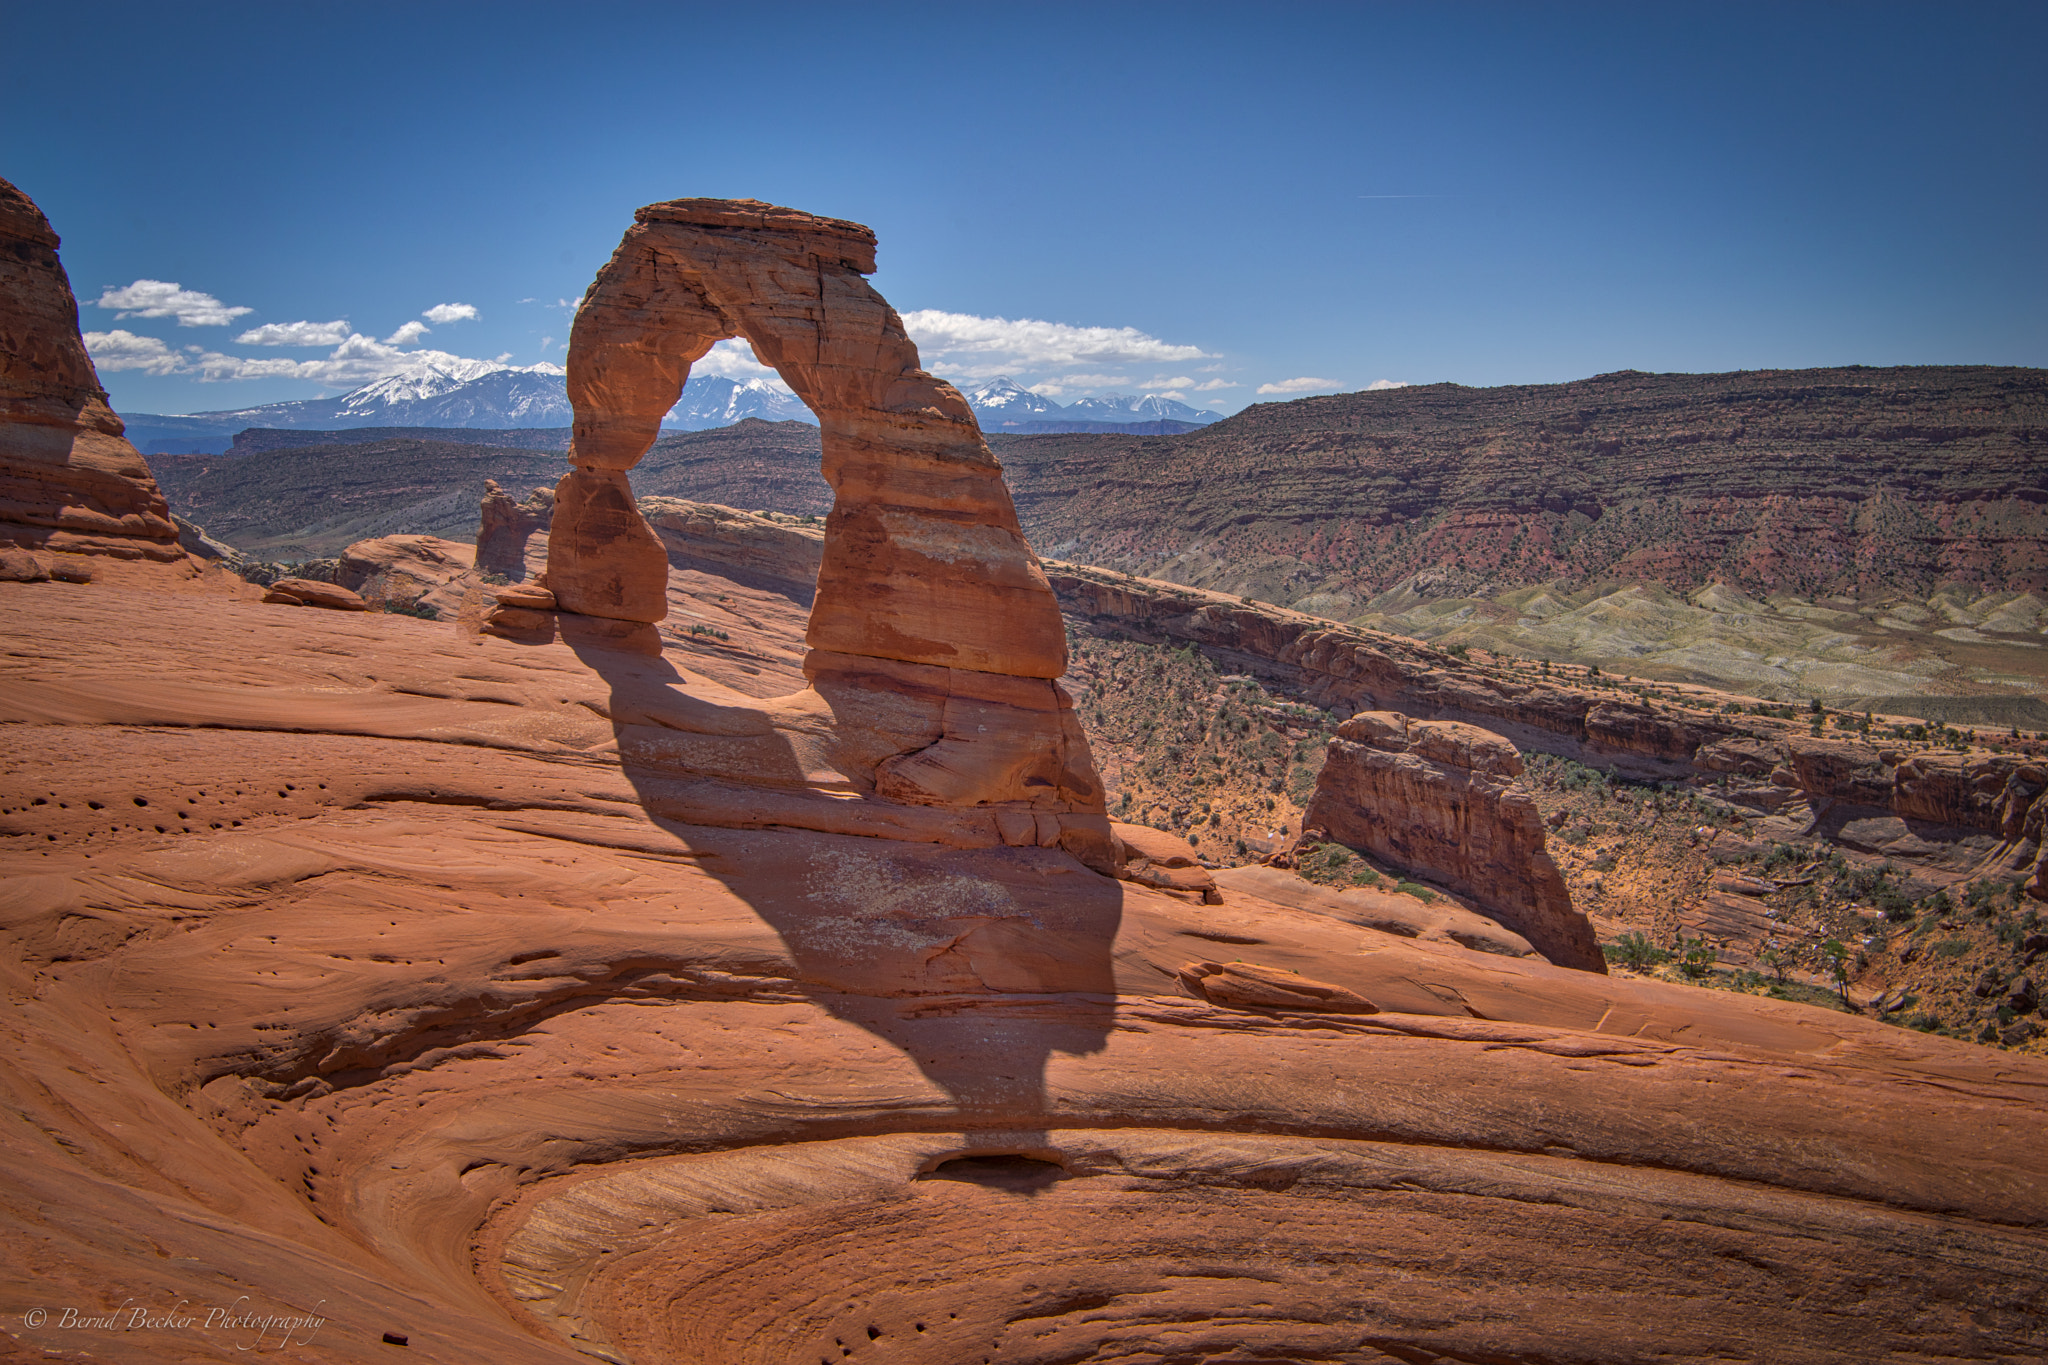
603,558
506,526
935,639
69,480
1438,798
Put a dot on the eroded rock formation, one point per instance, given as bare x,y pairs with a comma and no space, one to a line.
506,527
69,480
1437,798
935,638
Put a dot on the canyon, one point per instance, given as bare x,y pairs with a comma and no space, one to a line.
1872,537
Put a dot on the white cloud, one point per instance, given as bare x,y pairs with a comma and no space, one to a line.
1301,385
161,299
1081,384
442,313
356,361
123,350
407,334
1153,385
1211,385
296,334
1386,384
963,346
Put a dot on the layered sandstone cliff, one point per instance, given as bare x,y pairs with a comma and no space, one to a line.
1438,799
1858,480
69,480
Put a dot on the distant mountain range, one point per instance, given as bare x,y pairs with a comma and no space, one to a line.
465,394
1003,405
481,394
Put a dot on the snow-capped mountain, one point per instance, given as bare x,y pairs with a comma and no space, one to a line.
1120,407
712,401
427,393
486,395
1004,396
465,393
1002,404
425,379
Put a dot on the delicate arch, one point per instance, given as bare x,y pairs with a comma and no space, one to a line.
924,561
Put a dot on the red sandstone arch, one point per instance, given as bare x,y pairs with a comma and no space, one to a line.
924,561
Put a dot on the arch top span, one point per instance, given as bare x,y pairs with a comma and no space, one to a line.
924,561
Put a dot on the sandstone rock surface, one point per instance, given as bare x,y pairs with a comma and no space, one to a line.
1438,799
466,1026
69,480
1389,912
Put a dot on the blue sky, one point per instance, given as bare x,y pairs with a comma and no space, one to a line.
1296,198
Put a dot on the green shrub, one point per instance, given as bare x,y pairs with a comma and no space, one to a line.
1634,951
1417,890
1696,958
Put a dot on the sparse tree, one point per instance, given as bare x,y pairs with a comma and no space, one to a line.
1835,958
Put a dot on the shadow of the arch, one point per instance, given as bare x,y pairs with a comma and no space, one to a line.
978,964
889,822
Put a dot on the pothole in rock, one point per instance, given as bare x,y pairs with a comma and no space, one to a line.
1153,1246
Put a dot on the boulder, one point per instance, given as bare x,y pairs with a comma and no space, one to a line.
304,592
1438,799
69,479
528,597
403,565
19,566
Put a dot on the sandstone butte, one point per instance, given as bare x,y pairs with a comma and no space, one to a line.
511,998
1461,821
